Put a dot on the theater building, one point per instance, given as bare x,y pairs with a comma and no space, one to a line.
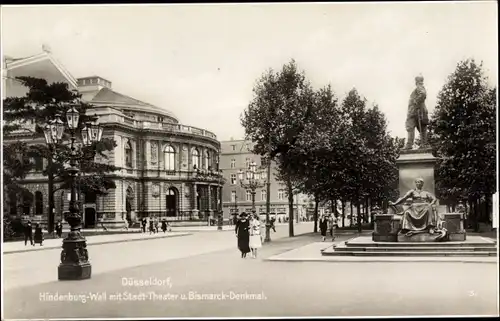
167,169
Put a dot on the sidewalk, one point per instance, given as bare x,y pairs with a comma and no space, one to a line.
201,228
18,247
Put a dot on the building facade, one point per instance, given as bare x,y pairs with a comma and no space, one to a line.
166,169
236,155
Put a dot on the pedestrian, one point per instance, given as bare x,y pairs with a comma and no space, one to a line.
38,234
144,223
126,224
151,226
156,224
273,224
332,225
242,233
28,233
59,229
323,226
164,225
255,242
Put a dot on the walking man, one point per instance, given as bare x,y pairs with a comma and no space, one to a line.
28,233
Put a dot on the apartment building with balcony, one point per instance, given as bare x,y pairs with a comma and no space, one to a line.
236,155
167,169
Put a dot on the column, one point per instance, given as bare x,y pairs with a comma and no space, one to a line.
209,196
195,203
219,189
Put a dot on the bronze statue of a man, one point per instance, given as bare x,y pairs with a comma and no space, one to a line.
417,116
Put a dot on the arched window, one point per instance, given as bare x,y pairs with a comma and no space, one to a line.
38,203
169,154
13,203
207,160
128,154
195,158
38,163
27,203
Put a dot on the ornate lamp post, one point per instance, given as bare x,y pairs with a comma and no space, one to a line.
268,200
53,132
251,179
74,256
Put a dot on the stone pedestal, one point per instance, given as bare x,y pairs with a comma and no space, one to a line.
454,224
413,164
386,228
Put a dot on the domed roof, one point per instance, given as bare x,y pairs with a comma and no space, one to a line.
106,96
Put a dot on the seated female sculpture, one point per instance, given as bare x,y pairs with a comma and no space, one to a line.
421,216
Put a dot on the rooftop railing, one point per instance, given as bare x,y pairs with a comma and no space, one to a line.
141,124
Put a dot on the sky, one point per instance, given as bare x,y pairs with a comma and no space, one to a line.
202,61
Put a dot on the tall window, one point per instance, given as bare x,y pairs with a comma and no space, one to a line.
233,163
169,154
249,195
233,147
38,161
247,163
263,195
38,203
281,194
233,196
13,203
195,158
207,160
128,154
233,179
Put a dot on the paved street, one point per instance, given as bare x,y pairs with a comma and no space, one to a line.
28,268
208,263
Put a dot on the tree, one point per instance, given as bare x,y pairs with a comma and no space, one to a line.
463,135
27,115
319,149
276,119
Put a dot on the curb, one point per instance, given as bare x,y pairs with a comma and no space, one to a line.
96,243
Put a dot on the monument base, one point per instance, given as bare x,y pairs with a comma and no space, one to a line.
80,271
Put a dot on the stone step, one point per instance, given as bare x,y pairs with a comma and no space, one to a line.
481,248
406,253
421,244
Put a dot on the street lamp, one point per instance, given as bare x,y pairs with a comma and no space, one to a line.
220,219
74,256
53,132
250,179
268,200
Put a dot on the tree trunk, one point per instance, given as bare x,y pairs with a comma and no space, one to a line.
352,213
343,213
358,205
487,209
334,212
316,205
367,210
290,209
50,216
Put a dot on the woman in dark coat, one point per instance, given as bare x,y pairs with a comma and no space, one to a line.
323,226
243,234
59,229
38,234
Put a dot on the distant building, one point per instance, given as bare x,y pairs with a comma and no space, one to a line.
236,155
166,169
